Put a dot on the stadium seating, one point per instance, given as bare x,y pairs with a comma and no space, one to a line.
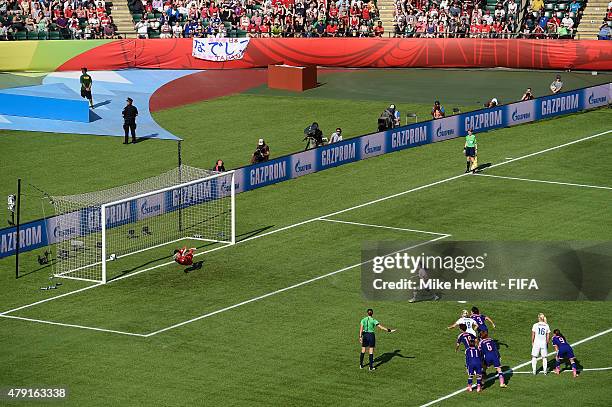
259,18
456,18
558,19
76,19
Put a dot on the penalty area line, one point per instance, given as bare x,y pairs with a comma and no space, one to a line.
375,201
453,394
544,181
91,328
261,297
324,219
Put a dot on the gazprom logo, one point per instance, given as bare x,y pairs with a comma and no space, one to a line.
593,100
298,168
226,185
58,232
516,116
371,150
147,209
440,133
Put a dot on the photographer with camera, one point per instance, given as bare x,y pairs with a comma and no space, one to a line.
389,118
313,136
262,152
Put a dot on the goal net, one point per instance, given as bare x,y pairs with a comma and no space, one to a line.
98,228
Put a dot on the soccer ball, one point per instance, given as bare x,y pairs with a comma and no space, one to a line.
112,257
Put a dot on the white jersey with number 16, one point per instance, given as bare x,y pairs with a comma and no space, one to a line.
541,329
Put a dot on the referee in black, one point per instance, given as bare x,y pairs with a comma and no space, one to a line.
367,338
129,120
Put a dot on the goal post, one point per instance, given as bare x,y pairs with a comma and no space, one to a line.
100,228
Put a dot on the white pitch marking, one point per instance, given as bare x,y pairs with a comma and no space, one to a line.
591,369
607,331
42,321
383,227
285,289
50,299
545,182
338,212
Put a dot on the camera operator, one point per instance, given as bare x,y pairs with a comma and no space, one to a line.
389,118
313,136
262,152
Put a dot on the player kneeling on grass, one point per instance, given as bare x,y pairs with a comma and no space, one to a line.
184,256
367,338
490,356
474,366
564,351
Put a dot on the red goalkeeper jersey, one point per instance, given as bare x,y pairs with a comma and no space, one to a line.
184,257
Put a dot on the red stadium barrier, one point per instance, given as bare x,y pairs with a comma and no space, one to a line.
356,53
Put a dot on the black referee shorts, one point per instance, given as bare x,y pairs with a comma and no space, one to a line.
470,151
85,94
368,340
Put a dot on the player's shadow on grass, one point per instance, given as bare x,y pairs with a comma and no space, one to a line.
499,344
195,266
388,356
566,365
488,381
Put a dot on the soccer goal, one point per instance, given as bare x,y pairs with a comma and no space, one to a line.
96,229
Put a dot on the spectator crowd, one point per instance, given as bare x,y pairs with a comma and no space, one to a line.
256,18
482,19
45,19
605,30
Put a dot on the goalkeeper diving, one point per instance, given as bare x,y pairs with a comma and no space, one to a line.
184,256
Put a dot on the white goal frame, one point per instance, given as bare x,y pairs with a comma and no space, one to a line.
103,218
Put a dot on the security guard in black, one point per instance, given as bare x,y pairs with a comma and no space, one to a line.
129,120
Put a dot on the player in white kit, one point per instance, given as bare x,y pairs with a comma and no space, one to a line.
540,335
469,323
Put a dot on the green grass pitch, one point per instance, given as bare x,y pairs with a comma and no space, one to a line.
273,320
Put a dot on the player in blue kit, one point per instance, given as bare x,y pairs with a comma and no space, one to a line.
564,351
481,320
464,338
473,363
490,356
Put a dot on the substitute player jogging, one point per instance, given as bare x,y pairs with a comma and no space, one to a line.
474,366
367,338
490,356
540,335
470,150
564,351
